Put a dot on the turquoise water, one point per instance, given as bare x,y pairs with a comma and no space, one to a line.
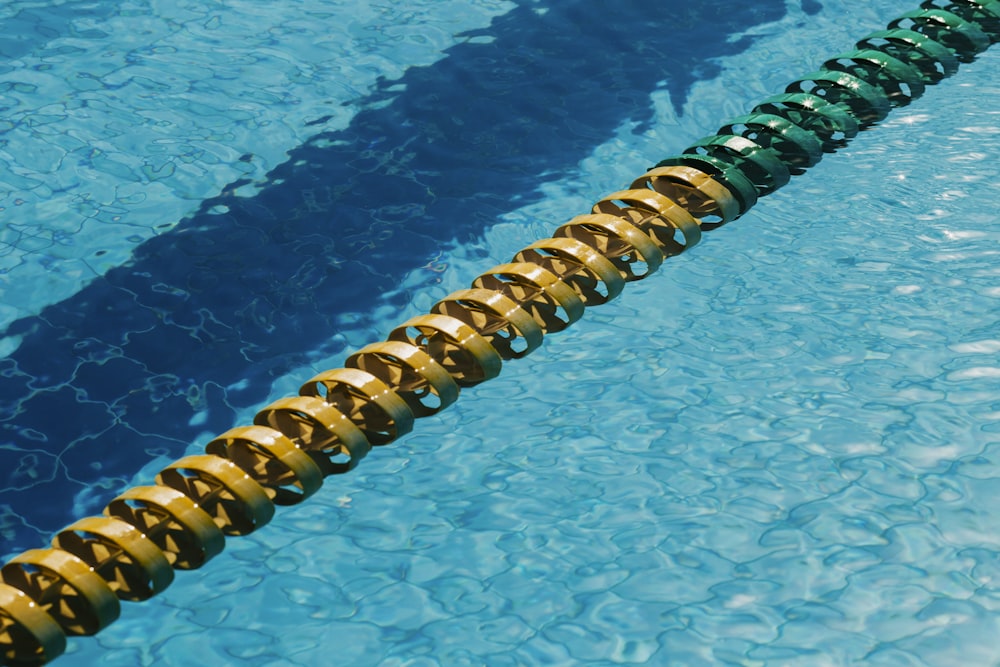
779,450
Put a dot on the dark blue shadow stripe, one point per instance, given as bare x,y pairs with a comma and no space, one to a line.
204,317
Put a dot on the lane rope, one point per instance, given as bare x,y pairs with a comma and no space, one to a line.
181,521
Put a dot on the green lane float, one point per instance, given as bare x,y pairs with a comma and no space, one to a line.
829,123
182,520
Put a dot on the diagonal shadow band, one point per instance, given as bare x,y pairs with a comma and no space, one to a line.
203,318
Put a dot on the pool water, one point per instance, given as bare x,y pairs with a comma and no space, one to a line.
782,449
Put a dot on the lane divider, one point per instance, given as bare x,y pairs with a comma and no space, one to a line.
182,520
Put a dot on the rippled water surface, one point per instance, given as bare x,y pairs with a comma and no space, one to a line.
782,449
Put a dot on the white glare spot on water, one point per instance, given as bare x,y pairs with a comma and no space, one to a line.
961,235
971,156
978,347
913,119
933,214
949,195
981,129
975,373
738,601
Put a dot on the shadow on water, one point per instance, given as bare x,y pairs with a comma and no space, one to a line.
203,318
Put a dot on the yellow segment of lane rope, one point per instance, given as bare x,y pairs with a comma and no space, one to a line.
181,522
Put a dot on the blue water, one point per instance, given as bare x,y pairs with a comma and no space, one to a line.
780,450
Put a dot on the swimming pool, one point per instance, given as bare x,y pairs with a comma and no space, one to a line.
740,460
